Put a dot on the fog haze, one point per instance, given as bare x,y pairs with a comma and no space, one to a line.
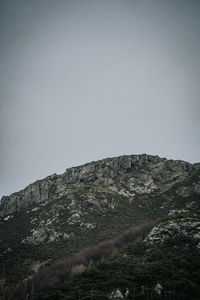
84,80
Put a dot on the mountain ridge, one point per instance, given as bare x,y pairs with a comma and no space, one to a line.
41,190
62,214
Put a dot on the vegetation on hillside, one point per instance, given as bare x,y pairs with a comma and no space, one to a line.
169,270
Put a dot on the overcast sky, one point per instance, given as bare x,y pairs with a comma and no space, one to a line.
82,80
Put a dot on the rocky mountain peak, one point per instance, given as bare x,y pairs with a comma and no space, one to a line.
146,171
110,167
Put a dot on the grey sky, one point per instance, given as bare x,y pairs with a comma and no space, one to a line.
82,80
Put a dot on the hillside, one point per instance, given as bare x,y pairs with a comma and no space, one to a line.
62,214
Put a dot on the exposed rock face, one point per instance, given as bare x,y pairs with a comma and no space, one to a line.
187,191
116,294
158,289
189,228
147,173
39,192
42,235
126,164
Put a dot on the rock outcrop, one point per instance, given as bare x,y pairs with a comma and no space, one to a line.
186,227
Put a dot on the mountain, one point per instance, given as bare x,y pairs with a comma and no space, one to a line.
61,215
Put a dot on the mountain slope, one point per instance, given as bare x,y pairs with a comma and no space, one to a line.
168,270
62,214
